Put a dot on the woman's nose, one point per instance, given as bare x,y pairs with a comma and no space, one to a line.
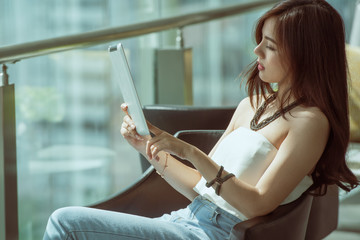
258,51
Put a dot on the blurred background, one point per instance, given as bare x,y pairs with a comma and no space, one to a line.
69,148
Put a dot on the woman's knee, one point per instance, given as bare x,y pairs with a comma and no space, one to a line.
65,216
61,222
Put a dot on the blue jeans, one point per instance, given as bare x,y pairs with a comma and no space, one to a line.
201,220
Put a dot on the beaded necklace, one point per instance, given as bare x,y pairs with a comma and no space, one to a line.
254,125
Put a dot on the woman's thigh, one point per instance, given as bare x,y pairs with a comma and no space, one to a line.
88,223
205,218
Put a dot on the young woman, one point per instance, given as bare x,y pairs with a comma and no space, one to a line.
278,144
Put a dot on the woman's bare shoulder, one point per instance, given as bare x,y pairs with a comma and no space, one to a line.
248,103
309,119
244,107
303,113
243,114
245,101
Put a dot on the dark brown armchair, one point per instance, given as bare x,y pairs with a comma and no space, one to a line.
308,217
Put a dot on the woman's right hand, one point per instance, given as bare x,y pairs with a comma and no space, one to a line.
128,131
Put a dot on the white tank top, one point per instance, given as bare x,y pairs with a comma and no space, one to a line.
247,154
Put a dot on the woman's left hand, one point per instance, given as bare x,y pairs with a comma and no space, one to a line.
163,141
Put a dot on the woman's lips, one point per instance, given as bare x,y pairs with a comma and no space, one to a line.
260,67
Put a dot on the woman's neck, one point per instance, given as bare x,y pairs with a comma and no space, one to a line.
284,95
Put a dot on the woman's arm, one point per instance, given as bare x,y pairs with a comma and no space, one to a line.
298,154
180,176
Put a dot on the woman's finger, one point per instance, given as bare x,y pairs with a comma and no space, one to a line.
130,124
157,144
128,129
153,142
152,147
153,150
125,129
148,150
127,119
127,124
124,107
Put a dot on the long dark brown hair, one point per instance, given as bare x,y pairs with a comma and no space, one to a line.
310,34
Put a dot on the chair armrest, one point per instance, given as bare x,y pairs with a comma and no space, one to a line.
142,198
286,222
150,196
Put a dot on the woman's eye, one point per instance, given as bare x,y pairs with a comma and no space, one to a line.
270,48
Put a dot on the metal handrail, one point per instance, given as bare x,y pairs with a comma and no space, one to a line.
14,53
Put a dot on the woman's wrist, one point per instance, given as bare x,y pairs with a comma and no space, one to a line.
165,165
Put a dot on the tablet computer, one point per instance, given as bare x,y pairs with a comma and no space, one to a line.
127,87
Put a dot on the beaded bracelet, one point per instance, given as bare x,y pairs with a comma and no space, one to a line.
219,181
165,166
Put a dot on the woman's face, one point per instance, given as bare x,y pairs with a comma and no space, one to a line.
271,65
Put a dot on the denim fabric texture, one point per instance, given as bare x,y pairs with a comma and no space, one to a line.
201,220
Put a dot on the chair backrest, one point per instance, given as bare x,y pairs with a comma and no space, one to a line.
286,222
324,212
174,118
309,217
